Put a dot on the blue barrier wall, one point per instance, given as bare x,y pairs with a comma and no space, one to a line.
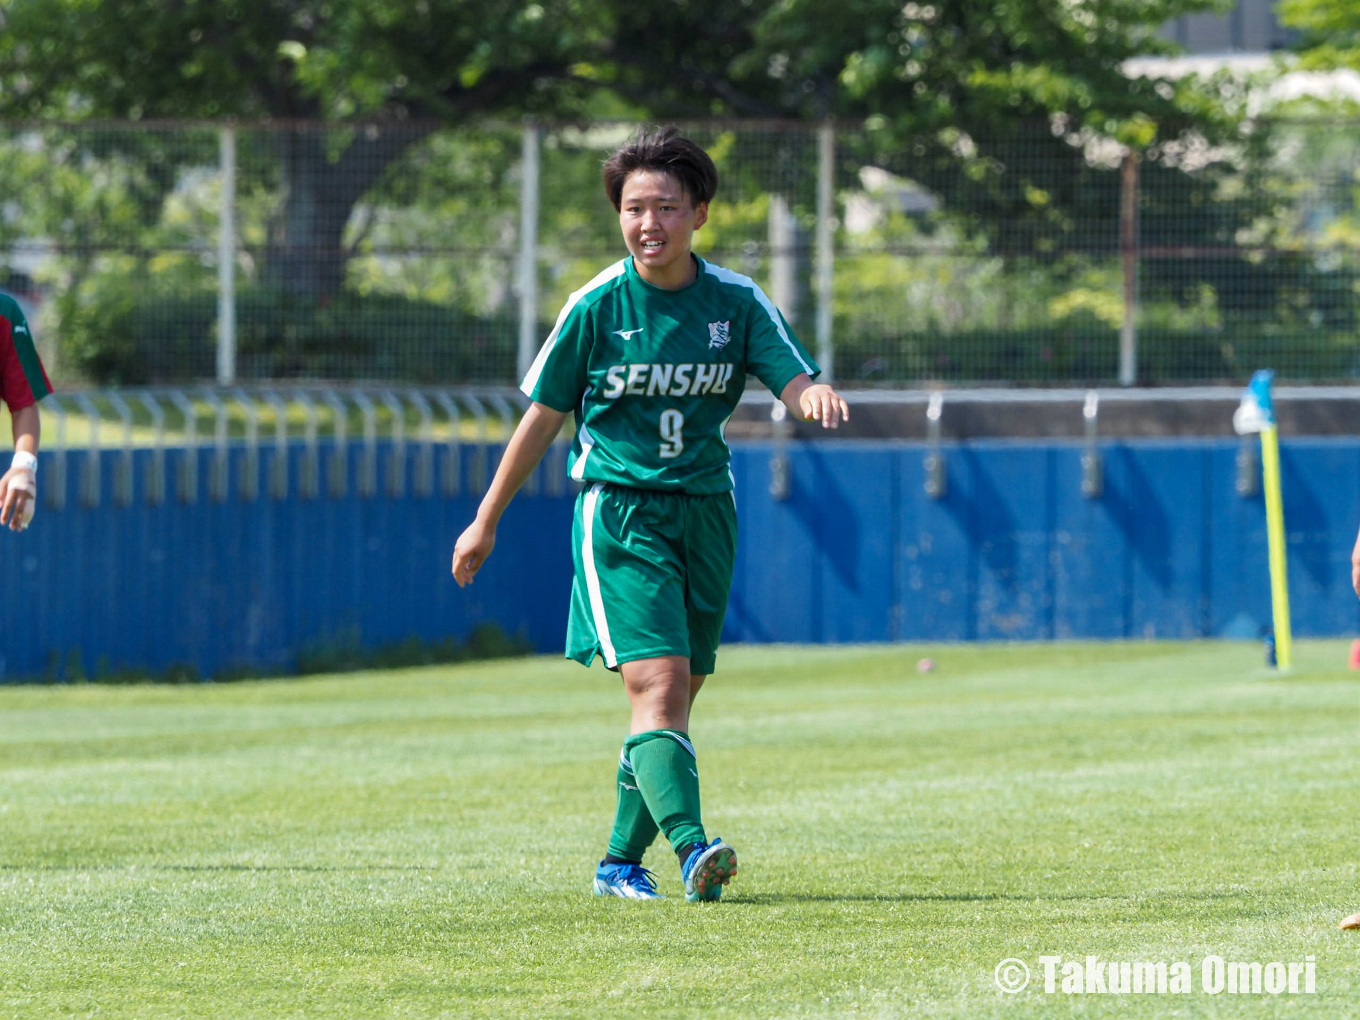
1014,551
222,585
857,552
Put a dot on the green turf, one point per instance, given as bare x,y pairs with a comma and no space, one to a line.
421,844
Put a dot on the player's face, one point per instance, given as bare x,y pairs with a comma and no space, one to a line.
658,221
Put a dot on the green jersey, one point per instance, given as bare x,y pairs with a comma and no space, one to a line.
652,375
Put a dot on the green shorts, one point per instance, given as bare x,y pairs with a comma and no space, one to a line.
653,571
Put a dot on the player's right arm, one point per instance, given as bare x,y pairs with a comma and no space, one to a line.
534,434
19,486
1355,566
556,379
23,382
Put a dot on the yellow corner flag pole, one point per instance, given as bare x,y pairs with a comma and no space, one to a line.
1279,578
1257,414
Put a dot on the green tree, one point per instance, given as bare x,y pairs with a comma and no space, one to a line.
1005,109
1026,76
992,104
1329,32
406,66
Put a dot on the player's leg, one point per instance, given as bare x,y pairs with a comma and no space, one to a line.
696,680
620,872
659,748
626,572
660,691
634,828
710,553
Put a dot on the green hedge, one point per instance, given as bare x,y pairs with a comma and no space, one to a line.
1062,356
136,340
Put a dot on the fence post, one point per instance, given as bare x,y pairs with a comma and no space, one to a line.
783,234
226,261
89,477
528,251
826,254
1128,250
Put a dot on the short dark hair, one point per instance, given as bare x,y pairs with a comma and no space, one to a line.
668,151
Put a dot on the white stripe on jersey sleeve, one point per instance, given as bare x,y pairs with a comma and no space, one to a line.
727,276
536,369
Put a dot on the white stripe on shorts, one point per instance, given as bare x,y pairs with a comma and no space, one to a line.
593,578
578,470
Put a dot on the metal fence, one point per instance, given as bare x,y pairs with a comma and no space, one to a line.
212,444
166,253
199,531
436,441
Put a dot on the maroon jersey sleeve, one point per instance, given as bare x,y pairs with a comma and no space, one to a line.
23,380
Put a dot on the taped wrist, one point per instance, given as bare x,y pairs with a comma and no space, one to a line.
25,479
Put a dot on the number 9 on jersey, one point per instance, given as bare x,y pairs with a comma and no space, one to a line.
672,433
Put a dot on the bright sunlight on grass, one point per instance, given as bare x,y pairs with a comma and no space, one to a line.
422,843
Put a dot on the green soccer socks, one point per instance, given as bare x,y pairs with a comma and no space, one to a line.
667,776
634,828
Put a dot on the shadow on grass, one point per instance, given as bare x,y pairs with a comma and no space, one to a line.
776,899
216,867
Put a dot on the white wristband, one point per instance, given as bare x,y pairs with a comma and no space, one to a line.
24,461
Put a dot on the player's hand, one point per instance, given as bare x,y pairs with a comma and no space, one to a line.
819,402
1355,567
18,490
471,550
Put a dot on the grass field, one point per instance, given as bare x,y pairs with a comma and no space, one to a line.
421,844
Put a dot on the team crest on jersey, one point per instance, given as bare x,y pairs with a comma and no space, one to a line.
718,335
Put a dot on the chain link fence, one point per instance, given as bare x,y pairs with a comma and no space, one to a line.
170,253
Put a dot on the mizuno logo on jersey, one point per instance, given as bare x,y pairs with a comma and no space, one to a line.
718,335
22,329
628,334
666,380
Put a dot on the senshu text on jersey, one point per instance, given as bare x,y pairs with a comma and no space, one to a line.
666,380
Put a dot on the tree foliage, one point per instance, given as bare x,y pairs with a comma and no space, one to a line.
1012,112
434,61
323,59
1329,31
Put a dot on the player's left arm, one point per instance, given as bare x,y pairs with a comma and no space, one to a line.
18,485
812,401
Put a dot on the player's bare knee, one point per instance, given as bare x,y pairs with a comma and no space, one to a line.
658,680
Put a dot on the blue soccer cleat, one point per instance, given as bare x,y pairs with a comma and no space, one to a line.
707,869
627,881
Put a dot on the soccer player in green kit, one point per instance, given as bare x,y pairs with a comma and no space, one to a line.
651,356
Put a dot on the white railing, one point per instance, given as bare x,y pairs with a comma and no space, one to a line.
449,425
